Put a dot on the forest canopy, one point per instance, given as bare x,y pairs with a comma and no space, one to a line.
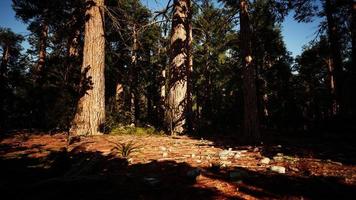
194,67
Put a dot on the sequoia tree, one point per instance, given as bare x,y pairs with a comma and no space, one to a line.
335,47
251,122
90,113
180,66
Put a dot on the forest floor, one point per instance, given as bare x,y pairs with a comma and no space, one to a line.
44,166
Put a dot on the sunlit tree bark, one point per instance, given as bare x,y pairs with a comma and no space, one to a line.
90,113
42,48
180,66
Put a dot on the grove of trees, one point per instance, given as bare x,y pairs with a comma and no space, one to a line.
195,67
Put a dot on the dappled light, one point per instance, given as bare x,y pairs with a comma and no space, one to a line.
177,99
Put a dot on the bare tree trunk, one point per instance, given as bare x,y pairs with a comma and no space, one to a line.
332,87
90,114
42,49
336,60
135,110
189,27
179,66
251,122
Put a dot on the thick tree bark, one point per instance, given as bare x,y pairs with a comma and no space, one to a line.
42,48
335,48
90,114
251,122
179,67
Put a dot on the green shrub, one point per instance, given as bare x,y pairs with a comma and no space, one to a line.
132,130
125,149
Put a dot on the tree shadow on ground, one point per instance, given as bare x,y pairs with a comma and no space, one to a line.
90,175
340,149
279,186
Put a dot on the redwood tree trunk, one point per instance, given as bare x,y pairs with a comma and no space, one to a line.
336,60
251,122
179,66
42,48
90,113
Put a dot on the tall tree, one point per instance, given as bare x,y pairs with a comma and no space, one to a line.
10,45
335,47
90,114
251,122
179,68
38,14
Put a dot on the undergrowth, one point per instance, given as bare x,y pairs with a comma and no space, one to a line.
132,130
125,149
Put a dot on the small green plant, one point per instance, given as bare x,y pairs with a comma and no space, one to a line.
133,130
125,149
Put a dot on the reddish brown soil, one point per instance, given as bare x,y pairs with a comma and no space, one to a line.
44,166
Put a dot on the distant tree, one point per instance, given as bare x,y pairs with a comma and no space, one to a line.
213,68
316,83
38,15
10,44
90,114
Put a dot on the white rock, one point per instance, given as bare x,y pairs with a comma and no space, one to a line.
225,154
278,158
162,148
224,164
265,161
237,156
278,169
164,154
